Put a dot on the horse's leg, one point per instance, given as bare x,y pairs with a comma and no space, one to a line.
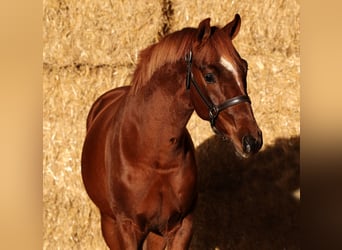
120,236
182,237
154,242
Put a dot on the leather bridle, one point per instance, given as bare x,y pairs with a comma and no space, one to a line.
213,110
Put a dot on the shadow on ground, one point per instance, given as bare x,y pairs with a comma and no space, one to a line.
247,203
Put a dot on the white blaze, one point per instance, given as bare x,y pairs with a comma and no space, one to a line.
229,66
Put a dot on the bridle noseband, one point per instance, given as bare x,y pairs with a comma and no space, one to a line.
213,109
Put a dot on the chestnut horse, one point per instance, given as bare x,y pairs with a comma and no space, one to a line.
138,163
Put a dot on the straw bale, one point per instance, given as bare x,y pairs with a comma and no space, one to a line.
92,46
70,218
267,25
98,32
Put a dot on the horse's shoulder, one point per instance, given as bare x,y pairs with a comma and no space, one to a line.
106,100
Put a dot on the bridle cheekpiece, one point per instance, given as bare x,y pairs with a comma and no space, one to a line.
213,110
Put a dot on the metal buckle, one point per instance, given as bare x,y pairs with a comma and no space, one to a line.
213,113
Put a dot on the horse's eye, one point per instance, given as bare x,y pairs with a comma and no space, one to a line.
209,78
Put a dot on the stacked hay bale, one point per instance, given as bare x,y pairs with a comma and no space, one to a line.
92,46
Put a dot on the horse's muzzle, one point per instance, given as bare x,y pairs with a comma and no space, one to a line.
251,145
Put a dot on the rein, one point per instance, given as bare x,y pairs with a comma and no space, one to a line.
213,110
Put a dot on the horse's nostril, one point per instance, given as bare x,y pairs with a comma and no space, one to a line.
250,144
260,134
260,141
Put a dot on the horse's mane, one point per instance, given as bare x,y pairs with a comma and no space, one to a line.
170,49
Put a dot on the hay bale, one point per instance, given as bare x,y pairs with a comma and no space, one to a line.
70,218
267,26
92,46
98,32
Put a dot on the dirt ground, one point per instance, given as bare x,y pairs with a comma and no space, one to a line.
92,46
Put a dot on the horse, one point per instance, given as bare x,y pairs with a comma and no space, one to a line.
138,164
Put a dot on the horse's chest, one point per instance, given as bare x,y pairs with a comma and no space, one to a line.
165,204
157,200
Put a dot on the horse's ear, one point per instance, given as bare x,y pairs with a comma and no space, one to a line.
203,32
233,28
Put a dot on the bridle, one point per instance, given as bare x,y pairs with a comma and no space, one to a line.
213,110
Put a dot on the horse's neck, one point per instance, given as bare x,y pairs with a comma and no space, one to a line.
159,111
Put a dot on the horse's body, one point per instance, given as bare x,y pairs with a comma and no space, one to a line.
138,162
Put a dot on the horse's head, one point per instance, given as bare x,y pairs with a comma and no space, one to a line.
218,86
